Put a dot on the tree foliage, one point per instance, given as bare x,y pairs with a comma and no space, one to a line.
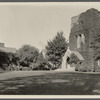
42,63
13,58
56,49
7,59
95,45
4,60
73,58
27,55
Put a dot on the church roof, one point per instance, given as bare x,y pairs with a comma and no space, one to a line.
78,55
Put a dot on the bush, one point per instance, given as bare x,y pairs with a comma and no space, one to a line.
8,60
4,60
45,67
41,64
73,65
73,59
82,67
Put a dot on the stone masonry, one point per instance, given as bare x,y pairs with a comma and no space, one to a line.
83,29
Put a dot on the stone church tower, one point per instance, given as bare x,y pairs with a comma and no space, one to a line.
83,29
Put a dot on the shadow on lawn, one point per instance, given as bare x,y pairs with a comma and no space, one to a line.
53,84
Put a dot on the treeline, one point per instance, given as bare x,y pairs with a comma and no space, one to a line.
26,58
29,57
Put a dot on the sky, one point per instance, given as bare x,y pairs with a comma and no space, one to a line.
37,23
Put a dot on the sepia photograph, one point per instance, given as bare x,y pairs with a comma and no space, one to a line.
50,49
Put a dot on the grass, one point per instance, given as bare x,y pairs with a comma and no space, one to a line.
56,83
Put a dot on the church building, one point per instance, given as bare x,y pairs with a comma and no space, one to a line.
84,27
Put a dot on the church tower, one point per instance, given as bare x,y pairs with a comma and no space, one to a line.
83,29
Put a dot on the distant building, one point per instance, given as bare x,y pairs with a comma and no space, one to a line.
83,28
7,49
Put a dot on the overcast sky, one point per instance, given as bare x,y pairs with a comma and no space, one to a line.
35,23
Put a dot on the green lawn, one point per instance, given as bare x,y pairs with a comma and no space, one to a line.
55,83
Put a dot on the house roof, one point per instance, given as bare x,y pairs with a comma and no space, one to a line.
78,55
8,49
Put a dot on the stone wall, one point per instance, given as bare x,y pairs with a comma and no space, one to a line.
87,23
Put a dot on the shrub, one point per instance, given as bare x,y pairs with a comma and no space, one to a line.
73,59
41,64
82,67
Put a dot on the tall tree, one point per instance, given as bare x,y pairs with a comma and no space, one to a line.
27,55
56,49
73,59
